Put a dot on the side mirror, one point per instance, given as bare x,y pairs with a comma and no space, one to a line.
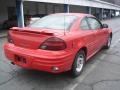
105,26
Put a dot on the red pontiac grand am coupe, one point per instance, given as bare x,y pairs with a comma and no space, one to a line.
57,43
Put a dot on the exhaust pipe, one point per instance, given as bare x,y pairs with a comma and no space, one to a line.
12,63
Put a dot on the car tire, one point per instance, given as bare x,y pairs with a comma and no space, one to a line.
108,44
78,63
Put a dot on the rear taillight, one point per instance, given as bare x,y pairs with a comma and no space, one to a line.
54,44
9,38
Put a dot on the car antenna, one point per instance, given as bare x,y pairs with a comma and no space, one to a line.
64,25
66,9
64,15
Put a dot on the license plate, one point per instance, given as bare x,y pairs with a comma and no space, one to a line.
20,59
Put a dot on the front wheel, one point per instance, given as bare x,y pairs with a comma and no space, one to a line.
108,44
78,64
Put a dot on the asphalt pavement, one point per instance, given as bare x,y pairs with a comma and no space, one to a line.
102,72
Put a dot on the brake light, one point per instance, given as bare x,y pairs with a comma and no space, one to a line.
53,44
9,38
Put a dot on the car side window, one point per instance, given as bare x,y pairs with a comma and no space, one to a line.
94,23
84,24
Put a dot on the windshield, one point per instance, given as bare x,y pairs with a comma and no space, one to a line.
54,22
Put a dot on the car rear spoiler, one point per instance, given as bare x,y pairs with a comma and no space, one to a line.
31,31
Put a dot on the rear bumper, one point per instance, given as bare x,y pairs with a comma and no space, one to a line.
40,59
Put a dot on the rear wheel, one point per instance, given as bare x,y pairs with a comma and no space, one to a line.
108,44
78,64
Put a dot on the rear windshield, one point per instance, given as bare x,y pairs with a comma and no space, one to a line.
54,22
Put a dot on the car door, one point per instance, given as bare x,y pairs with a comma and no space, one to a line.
103,33
89,38
100,34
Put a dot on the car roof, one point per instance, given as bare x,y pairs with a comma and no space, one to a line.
80,15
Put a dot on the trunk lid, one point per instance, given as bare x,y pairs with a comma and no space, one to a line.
31,38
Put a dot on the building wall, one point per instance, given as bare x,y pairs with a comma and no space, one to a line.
33,8
29,8
42,8
48,8
78,9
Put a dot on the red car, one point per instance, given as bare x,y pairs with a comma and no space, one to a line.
57,43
